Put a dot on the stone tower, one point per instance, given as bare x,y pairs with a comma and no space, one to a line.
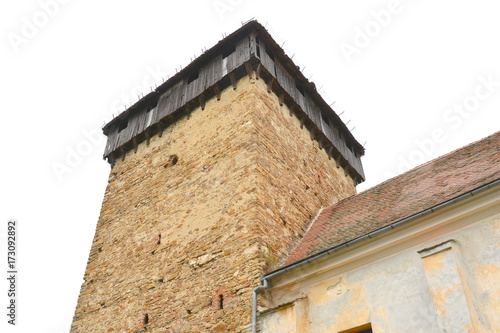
215,176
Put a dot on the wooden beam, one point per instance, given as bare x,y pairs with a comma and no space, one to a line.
148,137
122,152
302,120
217,91
338,161
258,71
312,133
270,85
281,98
160,127
234,82
136,145
112,159
201,98
249,68
330,152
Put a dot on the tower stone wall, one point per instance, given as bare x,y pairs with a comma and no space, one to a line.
194,217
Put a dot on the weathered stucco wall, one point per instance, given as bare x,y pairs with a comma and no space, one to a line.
190,222
445,279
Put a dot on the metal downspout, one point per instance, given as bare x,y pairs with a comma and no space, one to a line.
254,303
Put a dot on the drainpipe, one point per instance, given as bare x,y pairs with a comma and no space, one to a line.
254,303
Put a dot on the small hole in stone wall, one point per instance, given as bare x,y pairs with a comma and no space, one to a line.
221,302
159,239
160,280
146,319
99,249
174,159
188,311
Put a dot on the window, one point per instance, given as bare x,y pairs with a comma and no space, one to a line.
122,125
193,77
301,91
257,46
228,52
325,118
221,302
348,144
366,328
270,54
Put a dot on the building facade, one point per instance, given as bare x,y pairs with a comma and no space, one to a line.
417,253
231,207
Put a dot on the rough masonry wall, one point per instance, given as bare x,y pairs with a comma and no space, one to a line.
192,219
295,177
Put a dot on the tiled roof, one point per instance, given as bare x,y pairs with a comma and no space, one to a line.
421,188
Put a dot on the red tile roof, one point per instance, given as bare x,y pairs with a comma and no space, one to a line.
421,188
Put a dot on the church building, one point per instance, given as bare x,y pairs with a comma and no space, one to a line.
231,206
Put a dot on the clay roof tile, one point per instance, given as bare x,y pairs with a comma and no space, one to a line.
421,188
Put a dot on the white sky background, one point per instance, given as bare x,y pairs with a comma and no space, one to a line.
71,74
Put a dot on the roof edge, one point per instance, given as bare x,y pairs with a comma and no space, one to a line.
364,192
379,231
198,61
248,27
